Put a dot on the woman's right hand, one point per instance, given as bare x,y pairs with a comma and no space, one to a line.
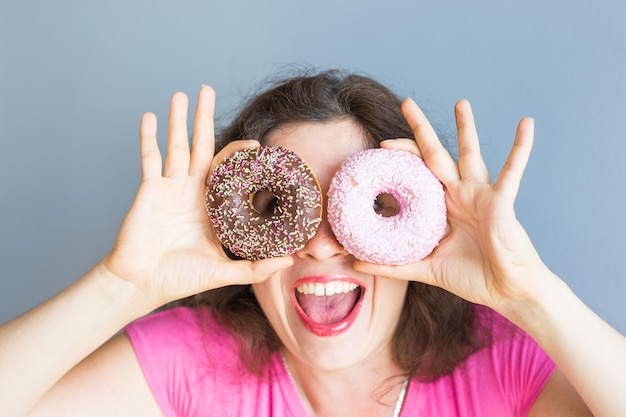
166,246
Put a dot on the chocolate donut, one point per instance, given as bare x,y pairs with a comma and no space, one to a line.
264,202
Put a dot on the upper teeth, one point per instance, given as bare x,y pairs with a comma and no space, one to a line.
327,288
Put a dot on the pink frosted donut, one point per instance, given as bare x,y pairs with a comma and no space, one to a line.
412,218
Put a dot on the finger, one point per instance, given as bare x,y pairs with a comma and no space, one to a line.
246,272
417,271
435,155
203,133
177,159
228,150
265,267
402,144
471,163
149,148
511,175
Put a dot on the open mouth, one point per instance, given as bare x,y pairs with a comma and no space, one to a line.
327,306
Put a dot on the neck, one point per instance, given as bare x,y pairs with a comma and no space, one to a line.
368,388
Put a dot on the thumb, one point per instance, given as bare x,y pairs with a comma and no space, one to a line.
249,272
416,271
266,267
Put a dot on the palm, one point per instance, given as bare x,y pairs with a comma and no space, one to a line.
164,226
166,245
486,256
486,252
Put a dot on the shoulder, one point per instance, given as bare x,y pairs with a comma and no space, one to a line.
181,319
179,327
508,349
512,363
185,355
192,365
510,366
186,338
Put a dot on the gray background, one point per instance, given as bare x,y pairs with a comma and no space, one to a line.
75,77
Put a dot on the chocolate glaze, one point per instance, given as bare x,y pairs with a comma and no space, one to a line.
279,229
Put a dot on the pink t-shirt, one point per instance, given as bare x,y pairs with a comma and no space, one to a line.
193,369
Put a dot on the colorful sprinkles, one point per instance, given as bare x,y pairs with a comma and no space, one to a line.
406,237
253,234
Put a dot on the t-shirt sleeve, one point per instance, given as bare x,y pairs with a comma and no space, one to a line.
524,369
171,349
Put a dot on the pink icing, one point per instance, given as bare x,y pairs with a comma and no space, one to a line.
406,237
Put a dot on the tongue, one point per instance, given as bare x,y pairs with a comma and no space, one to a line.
328,309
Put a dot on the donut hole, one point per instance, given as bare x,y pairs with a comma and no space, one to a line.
264,202
386,205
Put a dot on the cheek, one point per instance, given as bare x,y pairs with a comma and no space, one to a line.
271,298
390,292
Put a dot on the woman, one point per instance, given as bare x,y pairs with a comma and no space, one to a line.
421,344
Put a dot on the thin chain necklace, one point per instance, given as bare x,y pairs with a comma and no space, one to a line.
400,400
396,410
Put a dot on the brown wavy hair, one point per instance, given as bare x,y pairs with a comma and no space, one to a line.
437,330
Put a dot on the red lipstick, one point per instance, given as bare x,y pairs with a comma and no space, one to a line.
327,305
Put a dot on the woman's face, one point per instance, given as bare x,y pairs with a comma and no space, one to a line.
351,326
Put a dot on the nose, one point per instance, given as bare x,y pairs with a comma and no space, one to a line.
323,245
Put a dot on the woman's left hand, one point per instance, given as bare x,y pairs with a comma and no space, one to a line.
486,256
